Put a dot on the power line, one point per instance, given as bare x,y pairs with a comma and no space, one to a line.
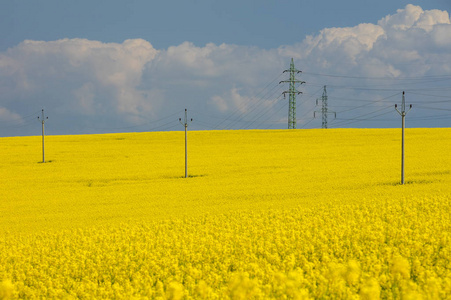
258,105
275,112
360,118
302,100
238,108
282,107
264,112
138,125
305,124
435,117
428,77
371,103
30,116
436,96
205,124
387,88
433,108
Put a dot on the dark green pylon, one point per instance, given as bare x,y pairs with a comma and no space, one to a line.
292,92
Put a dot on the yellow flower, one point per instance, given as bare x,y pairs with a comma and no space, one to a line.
6,289
112,217
174,291
352,273
400,266
370,289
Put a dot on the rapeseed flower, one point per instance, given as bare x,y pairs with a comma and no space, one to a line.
256,219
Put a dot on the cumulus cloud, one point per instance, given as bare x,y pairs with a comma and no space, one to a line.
7,116
192,65
410,35
88,77
124,84
232,100
414,17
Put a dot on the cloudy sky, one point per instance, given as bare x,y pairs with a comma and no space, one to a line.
119,66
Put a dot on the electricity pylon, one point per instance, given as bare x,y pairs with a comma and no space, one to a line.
403,114
292,92
185,123
43,121
324,111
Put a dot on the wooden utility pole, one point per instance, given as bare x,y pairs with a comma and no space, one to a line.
185,123
42,122
403,114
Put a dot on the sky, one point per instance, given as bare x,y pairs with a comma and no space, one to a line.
124,66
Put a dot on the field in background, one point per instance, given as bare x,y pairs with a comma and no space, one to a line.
301,213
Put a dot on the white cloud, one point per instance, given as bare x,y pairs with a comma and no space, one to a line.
94,77
414,17
8,116
441,37
85,96
129,82
412,35
403,19
219,103
188,64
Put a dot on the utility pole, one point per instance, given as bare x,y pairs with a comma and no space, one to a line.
43,121
324,110
185,123
292,92
403,114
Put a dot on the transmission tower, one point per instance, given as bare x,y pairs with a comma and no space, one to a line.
324,111
292,92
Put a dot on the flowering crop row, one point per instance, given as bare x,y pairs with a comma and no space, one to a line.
265,215
377,249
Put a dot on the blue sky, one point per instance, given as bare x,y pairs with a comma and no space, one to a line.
107,66
261,23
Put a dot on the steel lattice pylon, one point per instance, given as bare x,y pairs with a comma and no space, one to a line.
292,92
324,111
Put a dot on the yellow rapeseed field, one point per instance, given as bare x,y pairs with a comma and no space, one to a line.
277,214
